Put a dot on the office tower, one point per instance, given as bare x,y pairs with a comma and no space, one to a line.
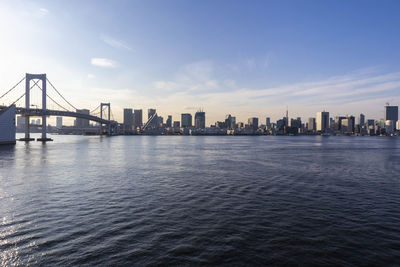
169,121
128,119
311,124
253,123
322,121
361,120
82,123
230,122
59,122
7,127
137,118
200,120
391,113
186,120
398,125
150,112
348,124
160,121
176,124
37,121
268,122
389,126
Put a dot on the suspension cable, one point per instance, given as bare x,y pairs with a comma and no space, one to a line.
13,87
61,95
35,83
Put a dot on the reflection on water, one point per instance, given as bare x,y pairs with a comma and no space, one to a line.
179,200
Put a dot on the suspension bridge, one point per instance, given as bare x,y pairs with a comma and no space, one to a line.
102,114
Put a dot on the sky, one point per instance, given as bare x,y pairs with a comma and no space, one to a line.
245,58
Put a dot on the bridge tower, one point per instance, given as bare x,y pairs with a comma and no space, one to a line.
28,79
109,118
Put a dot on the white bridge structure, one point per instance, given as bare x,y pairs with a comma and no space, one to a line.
96,115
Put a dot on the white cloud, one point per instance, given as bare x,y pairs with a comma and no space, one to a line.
103,62
115,43
43,12
91,76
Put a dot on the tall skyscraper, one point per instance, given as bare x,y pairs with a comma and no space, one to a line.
186,120
150,112
391,113
311,124
268,122
253,123
361,120
59,122
230,122
169,121
200,119
322,121
137,118
128,119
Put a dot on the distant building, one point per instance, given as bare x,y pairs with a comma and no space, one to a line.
21,122
391,113
311,124
128,119
59,122
361,119
150,112
253,123
268,123
169,121
348,125
137,118
322,121
37,122
389,126
177,124
200,120
230,122
82,123
186,120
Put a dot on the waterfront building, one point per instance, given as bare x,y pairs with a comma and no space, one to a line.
169,121
186,120
230,122
7,125
311,124
268,123
150,112
322,121
82,123
391,113
177,124
137,118
361,119
37,122
389,126
253,123
398,125
200,120
128,119
59,122
348,124
21,122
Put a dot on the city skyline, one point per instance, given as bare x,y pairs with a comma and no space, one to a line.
226,58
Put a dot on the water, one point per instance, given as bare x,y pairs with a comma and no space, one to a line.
187,200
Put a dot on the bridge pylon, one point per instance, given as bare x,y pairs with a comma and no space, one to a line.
109,118
28,79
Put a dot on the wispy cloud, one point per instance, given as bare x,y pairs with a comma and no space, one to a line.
103,62
91,76
115,43
43,11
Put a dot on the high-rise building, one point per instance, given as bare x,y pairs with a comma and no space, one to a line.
361,120
150,112
391,113
137,118
200,120
169,121
186,120
177,124
322,121
311,124
348,124
82,123
59,122
253,123
37,122
268,122
128,119
21,122
230,122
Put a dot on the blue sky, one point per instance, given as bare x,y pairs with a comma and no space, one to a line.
246,58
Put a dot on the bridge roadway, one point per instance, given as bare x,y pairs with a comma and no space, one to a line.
49,112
